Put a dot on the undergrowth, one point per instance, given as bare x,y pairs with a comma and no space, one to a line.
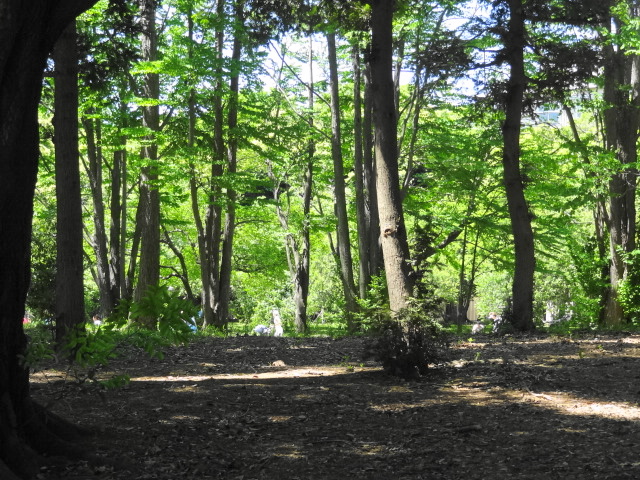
407,342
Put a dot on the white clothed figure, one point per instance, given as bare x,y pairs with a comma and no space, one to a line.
262,330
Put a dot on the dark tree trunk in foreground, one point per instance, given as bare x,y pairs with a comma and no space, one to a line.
28,31
395,248
70,313
522,290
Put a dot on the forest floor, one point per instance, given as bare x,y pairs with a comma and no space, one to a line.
536,407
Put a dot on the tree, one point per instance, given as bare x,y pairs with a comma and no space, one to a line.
149,203
70,313
108,48
621,123
395,247
300,249
340,205
363,216
27,35
525,264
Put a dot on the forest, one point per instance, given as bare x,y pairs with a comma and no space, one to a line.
228,153
420,182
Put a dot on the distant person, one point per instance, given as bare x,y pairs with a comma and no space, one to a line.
262,330
497,321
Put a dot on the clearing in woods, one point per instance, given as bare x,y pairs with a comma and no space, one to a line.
534,407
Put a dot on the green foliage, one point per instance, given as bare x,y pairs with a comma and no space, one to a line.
574,326
374,308
41,298
450,158
168,313
39,349
90,348
629,288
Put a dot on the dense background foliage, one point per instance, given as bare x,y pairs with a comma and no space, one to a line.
450,80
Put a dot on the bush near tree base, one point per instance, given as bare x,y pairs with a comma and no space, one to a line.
406,343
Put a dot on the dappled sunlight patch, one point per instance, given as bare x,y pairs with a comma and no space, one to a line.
171,378
48,376
399,389
279,418
190,388
568,404
560,402
289,451
581,431
269,374
186,418
211,365
304,396
371,449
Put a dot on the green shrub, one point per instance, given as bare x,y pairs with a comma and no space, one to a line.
406,343
629,289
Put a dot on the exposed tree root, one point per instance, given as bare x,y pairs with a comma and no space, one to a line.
6,473
45,433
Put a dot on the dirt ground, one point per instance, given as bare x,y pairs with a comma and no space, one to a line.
281,408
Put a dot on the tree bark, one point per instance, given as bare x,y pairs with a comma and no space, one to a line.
522,289
224,296
369,173
344,245
149,203
302,268
363,223
621,122
118,223
28,31
395,247
70,314
99,241
212,235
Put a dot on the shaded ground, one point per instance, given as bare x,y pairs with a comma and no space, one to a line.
279,408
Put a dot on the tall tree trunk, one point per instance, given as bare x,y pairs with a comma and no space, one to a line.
213,215
302,267
99,241
344,246
395,247
363,223
621,122
70,314
28,32
224,297
522,289
369,173
149,203
118,223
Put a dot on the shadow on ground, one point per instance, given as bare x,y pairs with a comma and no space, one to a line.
265,408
